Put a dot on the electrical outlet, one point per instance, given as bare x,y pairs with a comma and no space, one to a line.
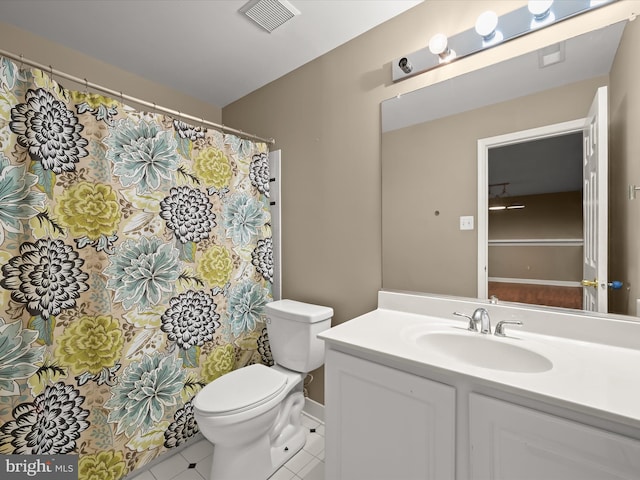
466,223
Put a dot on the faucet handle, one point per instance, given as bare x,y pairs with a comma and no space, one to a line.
500,326
472,321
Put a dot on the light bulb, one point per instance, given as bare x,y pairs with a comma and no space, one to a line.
438,44
405,65
486,24
540,8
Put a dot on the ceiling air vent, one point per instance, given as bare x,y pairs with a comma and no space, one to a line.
269,14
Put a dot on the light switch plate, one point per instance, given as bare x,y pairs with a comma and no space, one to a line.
466,222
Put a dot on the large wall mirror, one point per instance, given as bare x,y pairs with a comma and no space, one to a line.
533,183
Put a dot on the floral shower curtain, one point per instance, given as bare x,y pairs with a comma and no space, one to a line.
136,258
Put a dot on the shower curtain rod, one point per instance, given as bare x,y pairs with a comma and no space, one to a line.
83,81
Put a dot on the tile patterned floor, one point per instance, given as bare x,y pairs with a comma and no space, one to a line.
194,462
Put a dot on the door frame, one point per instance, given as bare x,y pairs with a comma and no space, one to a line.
275,191
484,144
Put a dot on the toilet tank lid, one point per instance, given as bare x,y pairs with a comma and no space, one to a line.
299,311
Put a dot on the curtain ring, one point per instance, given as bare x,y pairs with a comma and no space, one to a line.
86,87
21,61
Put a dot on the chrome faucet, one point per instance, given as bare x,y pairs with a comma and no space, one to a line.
480,317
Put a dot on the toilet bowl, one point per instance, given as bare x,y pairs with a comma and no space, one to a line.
252,415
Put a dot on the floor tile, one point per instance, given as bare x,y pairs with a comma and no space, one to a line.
146,475
283,473
310,422
304,471
196,452
191,474
317,473
170,467
204,466
315,444
298,461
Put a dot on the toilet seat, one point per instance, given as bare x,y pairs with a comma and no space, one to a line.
240,390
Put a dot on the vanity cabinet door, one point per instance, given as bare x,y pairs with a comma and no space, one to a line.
384,424
510,442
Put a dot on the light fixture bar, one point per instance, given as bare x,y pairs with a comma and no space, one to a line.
509,26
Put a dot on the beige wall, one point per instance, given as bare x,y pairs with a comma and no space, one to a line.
33,47
549,215
624,145
544,263
546,216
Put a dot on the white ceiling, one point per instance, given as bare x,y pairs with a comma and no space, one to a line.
204,48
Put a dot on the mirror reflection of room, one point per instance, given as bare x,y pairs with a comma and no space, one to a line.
535,231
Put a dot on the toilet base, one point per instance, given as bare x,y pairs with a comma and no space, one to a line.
259,459
256,461
282,454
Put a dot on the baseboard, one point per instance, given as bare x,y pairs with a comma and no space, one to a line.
314,409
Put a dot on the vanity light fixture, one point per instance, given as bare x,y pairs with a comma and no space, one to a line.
490,30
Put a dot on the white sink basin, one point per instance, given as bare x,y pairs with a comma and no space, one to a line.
484,351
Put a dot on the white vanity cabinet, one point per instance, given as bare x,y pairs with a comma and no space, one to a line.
511,442
410,394
385,424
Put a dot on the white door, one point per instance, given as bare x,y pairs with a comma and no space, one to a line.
595,191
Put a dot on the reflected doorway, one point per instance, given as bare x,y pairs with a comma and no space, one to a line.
535,223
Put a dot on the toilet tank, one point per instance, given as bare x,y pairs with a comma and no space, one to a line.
293,328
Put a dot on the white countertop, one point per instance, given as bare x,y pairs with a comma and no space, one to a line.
588,376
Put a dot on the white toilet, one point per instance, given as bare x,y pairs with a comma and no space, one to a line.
252,415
